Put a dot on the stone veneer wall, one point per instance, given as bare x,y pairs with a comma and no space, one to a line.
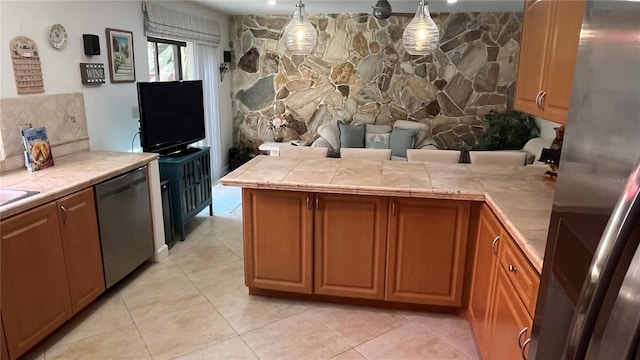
360,72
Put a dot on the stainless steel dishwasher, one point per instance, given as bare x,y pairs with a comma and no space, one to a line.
124,218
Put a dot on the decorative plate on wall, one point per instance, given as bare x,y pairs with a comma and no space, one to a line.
26,65
58,36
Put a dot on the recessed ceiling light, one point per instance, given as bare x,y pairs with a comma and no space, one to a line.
451,1
271,2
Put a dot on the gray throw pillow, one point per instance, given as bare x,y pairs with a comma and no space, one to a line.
401,140
351,136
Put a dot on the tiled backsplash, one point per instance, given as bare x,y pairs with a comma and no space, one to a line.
62,114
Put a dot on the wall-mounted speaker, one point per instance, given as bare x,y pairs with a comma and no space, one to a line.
227,56
91,44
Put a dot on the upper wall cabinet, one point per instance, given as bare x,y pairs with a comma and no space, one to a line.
549,47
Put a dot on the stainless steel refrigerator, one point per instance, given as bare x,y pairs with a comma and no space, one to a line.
589,299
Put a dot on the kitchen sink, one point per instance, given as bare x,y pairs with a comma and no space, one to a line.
10,195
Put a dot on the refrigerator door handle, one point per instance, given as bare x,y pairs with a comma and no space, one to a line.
602,267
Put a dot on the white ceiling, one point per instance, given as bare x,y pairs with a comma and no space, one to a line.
253,7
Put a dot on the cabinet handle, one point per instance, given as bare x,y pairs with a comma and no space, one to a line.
64,214
393,207
493,245
317,204
544,94
522,332
309,202
523,348
512,268
538,99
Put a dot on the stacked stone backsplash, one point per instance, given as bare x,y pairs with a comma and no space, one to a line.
62,114
360,72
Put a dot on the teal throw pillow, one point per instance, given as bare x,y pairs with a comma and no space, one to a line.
401,140
351,136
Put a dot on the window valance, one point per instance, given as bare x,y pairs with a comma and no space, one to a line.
166,23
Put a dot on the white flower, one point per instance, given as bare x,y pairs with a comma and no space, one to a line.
278,123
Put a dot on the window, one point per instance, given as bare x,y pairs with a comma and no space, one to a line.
167,59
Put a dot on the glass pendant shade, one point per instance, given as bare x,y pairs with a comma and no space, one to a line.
299,36
421,36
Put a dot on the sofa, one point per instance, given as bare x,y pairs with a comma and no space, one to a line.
417,136
401,136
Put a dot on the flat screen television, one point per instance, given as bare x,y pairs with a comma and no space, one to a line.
171,115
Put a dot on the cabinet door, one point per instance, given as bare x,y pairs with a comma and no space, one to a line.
509,317
483,275
427,245
278,235
81,242
534,42
350,242
35,292
561,62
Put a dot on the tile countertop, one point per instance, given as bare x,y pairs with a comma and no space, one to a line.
69,174
519,196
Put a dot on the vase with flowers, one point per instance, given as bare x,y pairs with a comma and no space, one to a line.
276,125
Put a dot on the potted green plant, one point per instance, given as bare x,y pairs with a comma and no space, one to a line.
507,131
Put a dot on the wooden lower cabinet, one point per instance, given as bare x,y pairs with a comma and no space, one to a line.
81,243
51,268
278,240
508,320
35,287
483,276
427,242
349,245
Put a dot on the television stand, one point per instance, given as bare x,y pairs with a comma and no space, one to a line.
189,178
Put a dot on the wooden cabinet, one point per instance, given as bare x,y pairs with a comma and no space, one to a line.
35,288
278,240
368,247
51,268
503,294
483,276
510,322
350,243
427,245
81,243
548,51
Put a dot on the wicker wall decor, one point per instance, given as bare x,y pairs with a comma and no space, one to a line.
26,65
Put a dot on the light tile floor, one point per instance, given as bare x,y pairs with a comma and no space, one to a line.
194,305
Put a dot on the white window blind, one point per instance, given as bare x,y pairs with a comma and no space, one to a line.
165,23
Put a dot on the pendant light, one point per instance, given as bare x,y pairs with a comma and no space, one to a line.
300,37
421,36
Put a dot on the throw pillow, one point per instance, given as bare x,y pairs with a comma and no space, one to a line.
423,131
401,140
351,136
377,141
331,133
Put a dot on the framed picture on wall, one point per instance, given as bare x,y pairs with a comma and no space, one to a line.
120,51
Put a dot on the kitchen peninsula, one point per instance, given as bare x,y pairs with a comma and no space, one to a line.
457,236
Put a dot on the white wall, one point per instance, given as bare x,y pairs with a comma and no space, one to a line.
108,106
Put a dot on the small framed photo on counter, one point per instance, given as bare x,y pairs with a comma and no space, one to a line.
120,51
